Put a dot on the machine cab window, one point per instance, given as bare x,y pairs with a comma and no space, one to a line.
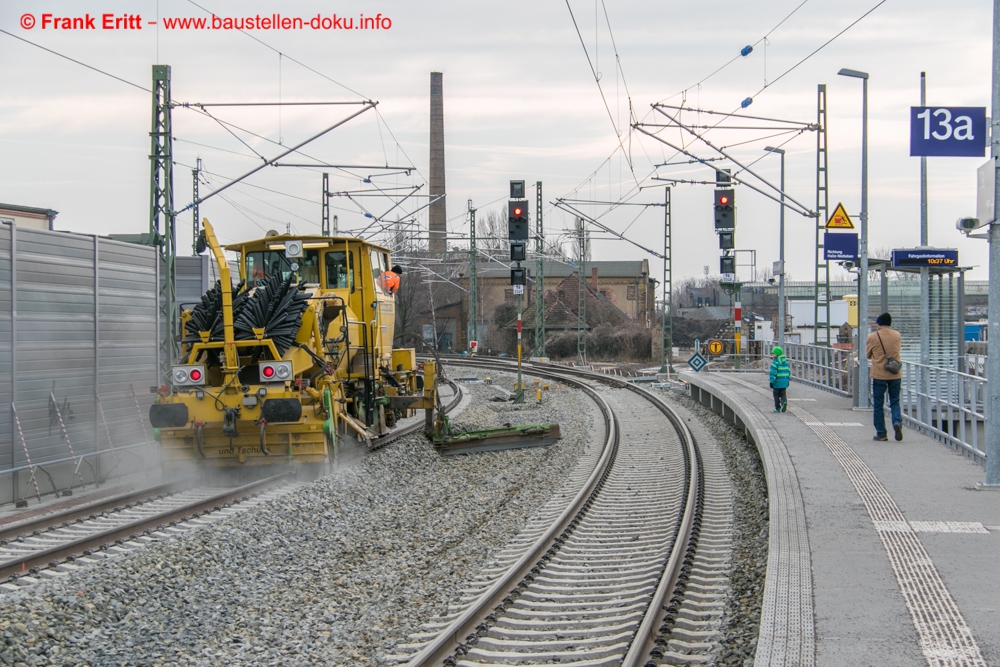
267,263
339,273
380,264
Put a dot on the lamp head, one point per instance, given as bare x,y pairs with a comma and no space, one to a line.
772,149
853,73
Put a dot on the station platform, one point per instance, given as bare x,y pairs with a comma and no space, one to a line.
881,553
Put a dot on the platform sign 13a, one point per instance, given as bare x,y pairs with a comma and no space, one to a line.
948,131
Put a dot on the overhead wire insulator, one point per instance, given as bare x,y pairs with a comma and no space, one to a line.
745,103
746,50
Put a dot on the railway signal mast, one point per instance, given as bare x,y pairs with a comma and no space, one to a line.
725,227
517,234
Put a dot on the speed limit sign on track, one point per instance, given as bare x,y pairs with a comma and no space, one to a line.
715,347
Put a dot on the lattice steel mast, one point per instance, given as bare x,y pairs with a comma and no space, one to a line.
666,321
539,275
162,232
473,281
325,221
196,226
821,289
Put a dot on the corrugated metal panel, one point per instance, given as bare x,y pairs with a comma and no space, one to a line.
191,283
84,329
55,342
7,448
127,347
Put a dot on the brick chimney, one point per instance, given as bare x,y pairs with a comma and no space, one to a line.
436,215
593,279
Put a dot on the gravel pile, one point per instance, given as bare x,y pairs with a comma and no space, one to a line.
336,573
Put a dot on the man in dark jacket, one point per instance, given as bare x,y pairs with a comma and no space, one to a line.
881,344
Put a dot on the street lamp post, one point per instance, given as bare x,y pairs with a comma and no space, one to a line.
781,249
992,447
863,381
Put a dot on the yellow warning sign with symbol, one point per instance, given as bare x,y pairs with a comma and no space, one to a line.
840,219
715,347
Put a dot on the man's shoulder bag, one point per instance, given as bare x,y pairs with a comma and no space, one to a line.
892,364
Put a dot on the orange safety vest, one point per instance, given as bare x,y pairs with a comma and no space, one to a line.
389,281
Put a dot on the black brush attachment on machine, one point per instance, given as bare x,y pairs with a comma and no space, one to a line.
276,306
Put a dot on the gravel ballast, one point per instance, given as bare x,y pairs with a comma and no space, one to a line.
336,573
341,571
741,620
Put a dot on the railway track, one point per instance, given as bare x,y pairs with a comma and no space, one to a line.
60,547
599,576
56,543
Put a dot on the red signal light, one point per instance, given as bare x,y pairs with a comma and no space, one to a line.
268,371
195,375
517,211
723,200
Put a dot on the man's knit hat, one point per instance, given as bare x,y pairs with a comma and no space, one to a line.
884,320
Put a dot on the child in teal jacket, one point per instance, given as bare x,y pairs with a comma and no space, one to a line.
780,375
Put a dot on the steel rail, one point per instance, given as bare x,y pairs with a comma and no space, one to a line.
646,635
44,521
470,622
45,557
466,625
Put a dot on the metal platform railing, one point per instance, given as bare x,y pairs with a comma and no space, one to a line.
827,368
823,367
946,404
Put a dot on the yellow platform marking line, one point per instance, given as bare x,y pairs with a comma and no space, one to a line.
945,638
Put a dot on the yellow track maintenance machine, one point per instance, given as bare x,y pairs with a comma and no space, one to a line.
296,356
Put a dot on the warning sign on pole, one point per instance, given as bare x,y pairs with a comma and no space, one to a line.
839,219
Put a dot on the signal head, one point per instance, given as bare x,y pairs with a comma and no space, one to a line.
725,209
517,220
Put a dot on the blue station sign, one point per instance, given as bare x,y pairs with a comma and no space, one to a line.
840,247
948,131
932,257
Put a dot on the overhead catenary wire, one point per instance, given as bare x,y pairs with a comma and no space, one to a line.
740,55
78,62
174,103
597,80
331,80
734,113
197,109
285,55
821,47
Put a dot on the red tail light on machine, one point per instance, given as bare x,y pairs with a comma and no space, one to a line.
188,376
275,371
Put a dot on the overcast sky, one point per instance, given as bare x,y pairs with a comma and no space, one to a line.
521,102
